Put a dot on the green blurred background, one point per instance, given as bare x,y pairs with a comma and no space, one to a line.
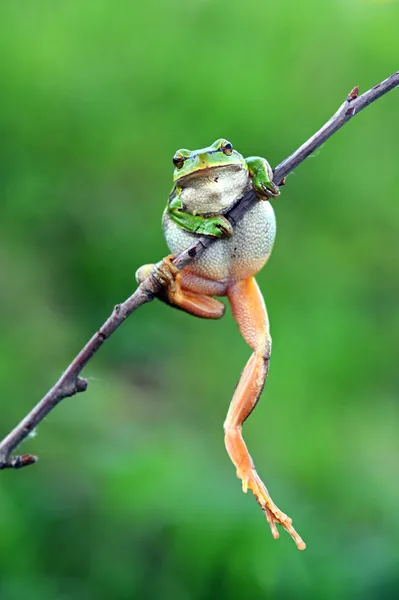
134,495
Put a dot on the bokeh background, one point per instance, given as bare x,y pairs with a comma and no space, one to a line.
134,495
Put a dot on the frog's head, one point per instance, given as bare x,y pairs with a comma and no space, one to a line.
220,154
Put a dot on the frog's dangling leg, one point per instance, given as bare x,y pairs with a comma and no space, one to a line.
250,313
175,294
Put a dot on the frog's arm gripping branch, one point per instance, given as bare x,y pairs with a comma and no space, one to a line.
70,382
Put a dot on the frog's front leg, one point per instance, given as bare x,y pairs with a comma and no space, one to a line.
175,293
261,174
250,313
215,226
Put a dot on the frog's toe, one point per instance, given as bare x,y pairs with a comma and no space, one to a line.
224,226
143,272
215,226
269,190
165,272
251,480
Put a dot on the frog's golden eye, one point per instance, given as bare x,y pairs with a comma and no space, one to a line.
226,148
178,161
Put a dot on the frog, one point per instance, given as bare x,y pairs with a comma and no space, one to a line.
207,183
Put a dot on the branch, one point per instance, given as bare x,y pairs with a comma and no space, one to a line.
70,382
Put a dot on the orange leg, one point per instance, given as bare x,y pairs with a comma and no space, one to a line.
250,313
193,295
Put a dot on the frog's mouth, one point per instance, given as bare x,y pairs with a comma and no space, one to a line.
212,171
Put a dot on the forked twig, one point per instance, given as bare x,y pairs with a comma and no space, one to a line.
70,382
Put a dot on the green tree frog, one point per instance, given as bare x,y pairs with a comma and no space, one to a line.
206,183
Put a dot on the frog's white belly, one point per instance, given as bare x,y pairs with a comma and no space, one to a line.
230,259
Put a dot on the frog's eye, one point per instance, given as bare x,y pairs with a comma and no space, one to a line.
226,148
178,161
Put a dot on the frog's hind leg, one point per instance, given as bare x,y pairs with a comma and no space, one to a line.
250,313
185,291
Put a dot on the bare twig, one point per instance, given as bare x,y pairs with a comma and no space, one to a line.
70,383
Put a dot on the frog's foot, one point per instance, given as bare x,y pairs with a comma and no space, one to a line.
269,190
217,226
251,480
261,174
165,272
169,278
